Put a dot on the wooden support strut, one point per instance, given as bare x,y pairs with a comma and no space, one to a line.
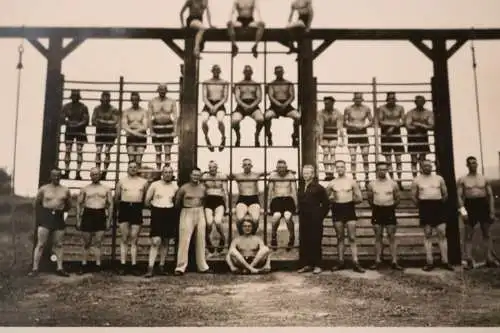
174,47
322,47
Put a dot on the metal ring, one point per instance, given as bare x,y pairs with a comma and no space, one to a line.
20,48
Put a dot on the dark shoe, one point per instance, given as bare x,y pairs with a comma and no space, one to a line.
357,268
395,266
254,51
290,244
178,273
376,266
150,273
469,265
447,267
222,143
122,270
33,273
237,142
135,271
274,243
83,269
162,271
269,141
305,269
209,245
61,272
256,141
295,141
428,267
340,266
234,50
207,271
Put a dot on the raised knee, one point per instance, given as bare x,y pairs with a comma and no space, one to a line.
261,25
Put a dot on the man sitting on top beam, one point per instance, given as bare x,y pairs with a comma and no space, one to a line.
195,21
245,19
305,10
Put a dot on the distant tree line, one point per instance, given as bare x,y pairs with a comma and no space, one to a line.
5,178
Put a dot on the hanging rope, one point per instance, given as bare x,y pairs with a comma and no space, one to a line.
476,89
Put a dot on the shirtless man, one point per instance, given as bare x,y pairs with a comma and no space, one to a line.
245,10
135,124
384,197
190,199
130,192
164,218
248,254
282,202
418,122
329,128
357,118
429,193
305,12
216,203
281,93
248,95
391,118
344,194
52,203
94,213
215,95
477,205
76,118
195,21
163,120
105,118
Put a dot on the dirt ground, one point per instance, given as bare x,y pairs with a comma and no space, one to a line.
412,298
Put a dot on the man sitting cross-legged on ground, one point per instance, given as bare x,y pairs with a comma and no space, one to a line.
94,214
282,202
215,95
305,10
135,124
248,95
383,197
281,93
245,10
344,193
216,204
164,217
477,205
248,254
195,21
429,193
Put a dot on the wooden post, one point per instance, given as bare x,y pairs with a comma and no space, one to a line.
444,147
51,124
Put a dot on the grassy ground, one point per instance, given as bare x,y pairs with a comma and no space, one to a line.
412,298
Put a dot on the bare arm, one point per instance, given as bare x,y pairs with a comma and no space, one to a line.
292,10
79,206
409,121
444,189
225,97
358,196
258,97
234,10
258,16
320,125
125,125
293,192
85,120
149,196
179,196
460,192
226,193
430,121
175,118
491,198
109,206
311,15
340,125
94,117
118,192
237,95
291,92
396,194
369,193
183,10
270,94
270,193
369,117
39,198
414,192
209,15
346,118
205,95
325,201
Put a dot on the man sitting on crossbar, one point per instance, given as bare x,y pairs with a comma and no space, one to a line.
245,19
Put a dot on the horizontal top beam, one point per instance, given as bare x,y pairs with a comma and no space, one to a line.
270,34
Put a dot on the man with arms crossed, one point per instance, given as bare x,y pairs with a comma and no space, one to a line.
281,93
282,201
248,254
391,118
164,218
76,118
344,193
248,95
94,213
245,19
135,124
105,118
429,193
215,95
477,205
129,200
52,203
384,197
216,203
190,199
329,128
418,122
163,120
248,195
305,11
195,21
357,118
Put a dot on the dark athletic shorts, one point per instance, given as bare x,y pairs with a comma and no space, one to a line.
478,211
192,18
422,142
75,133
363,140
333,134
248,200
384,215
51,219
137,141
159,140
389,138
304,18
431,212
164,222
281,112
214,201
245,21
130,212
344,212
214,113
105,135
248,113
93,220
282,204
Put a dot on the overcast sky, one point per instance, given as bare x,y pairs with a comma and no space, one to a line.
150,60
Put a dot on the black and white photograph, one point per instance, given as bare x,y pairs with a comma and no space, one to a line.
250,163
